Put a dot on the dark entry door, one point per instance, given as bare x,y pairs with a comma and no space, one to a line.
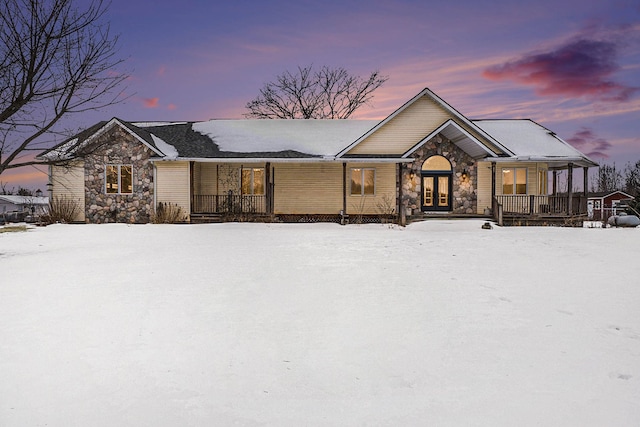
436,192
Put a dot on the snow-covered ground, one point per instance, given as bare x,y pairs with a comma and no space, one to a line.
440,323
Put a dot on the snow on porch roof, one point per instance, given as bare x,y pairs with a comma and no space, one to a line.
527,139
313,137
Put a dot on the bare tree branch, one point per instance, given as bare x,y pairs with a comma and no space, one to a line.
329,93
55,60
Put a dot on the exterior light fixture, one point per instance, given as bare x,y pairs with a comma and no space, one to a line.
465,174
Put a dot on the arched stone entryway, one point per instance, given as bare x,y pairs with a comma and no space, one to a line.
463,177
437,181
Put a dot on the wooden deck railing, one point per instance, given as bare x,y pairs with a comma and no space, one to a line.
228,203
542,205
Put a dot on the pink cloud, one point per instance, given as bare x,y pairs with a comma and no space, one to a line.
172,107
150,102
161,70
588,142
582,67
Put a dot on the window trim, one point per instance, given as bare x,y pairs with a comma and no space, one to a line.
543,173
119,178
515,180
362,186
252,181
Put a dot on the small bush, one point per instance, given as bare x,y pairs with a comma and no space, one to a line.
13,228
168,213
386,207
61,209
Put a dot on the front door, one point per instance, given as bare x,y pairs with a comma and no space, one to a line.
436,192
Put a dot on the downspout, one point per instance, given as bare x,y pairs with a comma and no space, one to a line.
402,213
191,189
268,194
155,188
343,214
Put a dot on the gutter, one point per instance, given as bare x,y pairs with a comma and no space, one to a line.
284,160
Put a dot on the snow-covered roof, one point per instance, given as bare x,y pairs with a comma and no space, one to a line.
530,141
313,137
25,200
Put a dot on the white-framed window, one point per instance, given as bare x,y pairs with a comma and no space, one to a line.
252,181
119,179
514,181
543,183
363,182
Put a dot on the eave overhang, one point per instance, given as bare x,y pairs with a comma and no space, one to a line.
285,160
460,137
554,163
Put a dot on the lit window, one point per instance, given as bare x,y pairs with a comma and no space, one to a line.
119,179
363,181
253,181
514,181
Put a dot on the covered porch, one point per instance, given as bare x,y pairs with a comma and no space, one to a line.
218,189
566,207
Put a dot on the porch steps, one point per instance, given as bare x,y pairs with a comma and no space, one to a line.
447,215
205,218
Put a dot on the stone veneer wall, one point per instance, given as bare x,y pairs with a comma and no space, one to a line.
118,147
464,198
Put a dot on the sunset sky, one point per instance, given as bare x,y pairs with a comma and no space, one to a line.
571,65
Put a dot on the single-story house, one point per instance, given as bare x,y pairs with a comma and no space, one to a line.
14,207
425,158
603,204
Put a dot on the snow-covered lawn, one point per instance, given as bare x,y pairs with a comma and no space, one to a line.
440,323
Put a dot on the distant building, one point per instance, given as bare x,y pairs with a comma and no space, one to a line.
32,205
603,204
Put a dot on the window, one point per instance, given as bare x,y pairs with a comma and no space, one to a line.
543,184
119,179
253,181
363,181
436,163
514,181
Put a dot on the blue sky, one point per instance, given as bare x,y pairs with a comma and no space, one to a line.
573,66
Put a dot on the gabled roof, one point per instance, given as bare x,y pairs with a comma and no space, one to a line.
307,138
529,141
498,140
605,194
495,147
459,136
69,148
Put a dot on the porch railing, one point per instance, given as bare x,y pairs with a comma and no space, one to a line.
542,205
228,203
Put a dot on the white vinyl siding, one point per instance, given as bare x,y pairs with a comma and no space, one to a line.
68,182
405,130
484,186
309,188
172,184
316,188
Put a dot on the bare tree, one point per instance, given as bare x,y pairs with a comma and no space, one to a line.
609,178
632,178
55,60
329,93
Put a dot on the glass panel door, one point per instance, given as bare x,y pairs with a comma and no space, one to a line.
443,192
436,192
427,191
